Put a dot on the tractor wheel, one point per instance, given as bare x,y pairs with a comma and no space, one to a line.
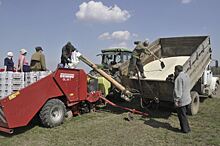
53,113
194,105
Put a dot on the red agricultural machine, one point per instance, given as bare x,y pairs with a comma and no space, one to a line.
49,97
52,96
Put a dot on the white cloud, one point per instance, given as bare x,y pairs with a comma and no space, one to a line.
0,2
105,36
186,1
119,38
117,35
121,35
96,11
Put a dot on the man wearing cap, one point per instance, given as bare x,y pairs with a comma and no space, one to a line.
136,58
38,60
67,53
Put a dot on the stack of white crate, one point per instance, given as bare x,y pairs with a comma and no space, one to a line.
31,77
10,82
13,81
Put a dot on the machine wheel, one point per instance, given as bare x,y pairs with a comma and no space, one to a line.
194,105
53,113
214,93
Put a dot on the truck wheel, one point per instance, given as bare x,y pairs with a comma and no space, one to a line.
194,105
53,113
214,93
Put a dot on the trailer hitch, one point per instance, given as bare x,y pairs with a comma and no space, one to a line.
7,130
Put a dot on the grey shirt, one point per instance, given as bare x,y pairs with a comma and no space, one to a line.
182,89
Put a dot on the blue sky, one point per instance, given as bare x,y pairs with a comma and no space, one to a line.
93,25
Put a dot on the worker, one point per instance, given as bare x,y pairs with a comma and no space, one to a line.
8,62
38,60
67,53
136,58
23,65
182,97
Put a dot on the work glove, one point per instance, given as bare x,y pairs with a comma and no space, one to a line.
78,54
177,103
69,60
170,78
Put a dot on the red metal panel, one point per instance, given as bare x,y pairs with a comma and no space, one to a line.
82,85
73,83
20,107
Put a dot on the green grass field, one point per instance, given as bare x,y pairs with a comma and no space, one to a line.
107,128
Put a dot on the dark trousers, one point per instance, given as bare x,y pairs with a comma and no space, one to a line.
64,61
26,68
184,124
136,62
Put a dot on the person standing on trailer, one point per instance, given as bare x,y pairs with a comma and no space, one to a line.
23,65
8,62
182,97
38,60
136,58
67,53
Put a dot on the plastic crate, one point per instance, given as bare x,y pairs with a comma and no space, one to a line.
2,80
2,74
30,81
31,74
17,75
17,82
6,74
11,75
43,74
2,87
11,86
5,92
17,87
13,81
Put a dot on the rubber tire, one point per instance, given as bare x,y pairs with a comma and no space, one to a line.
214,93
46,116
193,108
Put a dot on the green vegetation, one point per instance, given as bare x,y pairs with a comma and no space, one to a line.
107,128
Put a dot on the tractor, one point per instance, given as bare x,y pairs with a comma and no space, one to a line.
112,60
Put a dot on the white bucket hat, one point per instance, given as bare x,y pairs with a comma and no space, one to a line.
10,54
23,51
